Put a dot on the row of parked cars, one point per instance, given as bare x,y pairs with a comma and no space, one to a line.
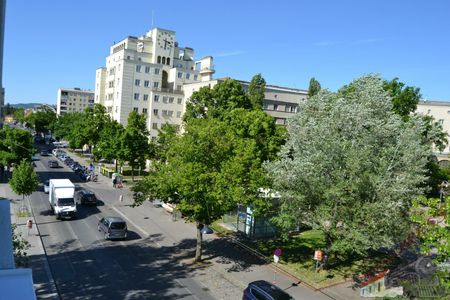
79,169
111,227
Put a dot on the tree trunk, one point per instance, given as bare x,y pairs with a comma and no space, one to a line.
198,248
132,173
116,165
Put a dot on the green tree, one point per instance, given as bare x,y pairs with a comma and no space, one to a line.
166,135
404,98
350,168
256,91
24,180
135,144
15,145
43,119
19,115
314,87
217,161
109,145
64,126
431,217
20,247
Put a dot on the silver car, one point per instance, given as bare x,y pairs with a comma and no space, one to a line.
113,228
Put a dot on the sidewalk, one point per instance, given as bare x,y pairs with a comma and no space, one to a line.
226,265
44,284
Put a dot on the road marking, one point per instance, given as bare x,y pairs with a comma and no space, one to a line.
136,226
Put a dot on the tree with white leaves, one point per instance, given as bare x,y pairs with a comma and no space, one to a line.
351,168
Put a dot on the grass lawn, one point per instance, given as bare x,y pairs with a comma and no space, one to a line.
297,259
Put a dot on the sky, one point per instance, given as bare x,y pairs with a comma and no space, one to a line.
60,43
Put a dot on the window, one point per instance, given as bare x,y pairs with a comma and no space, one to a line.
171,99
275,107
195,77
147,69
163,60
155,112
156,84
146,83
178,114
128,57
178,87
118,81
164,113
136,96
158,60
145,97
144,111
137,82
156,71
170,113
188,75
164,99
180,75
135,109
179,100
156,98
168,60
258,295
155,125
138,68
441,121
117,109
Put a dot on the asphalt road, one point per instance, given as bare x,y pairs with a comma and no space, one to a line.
85,266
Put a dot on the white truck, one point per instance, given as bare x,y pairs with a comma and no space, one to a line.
61,198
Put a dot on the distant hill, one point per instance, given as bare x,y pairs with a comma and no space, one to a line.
25,105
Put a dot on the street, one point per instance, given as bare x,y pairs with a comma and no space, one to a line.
154,262
85,266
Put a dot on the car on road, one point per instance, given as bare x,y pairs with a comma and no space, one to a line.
264,290
46,186
84,196
53,164
44,153
113,228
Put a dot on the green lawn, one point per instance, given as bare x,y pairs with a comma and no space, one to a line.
297,259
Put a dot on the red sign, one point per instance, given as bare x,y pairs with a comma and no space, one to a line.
318,255
277,252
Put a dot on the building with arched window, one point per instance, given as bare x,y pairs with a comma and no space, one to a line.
146,74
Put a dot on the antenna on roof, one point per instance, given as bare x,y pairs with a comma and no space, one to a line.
153,12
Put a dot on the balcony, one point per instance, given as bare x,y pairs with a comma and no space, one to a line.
167,90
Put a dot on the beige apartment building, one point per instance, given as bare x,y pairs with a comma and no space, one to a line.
279,102
146,74
73,100
440,110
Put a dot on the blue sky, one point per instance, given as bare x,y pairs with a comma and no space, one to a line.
60,43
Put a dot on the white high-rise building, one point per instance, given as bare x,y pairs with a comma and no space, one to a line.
146,74
73,100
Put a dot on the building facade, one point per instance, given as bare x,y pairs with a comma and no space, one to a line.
2,35
279,102
73,100
440,110
146,74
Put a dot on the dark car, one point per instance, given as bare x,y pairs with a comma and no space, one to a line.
84,196
44,153
263,290
113,228
53,164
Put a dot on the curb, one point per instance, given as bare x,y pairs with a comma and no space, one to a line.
48,270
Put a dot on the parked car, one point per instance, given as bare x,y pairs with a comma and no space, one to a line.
44,153
263,290
84,196
113,228
46,186
53,164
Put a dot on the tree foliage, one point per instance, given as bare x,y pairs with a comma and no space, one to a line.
15,145
109,145
217,161
42,120
24,180
256,91
135,143
20,247
350,168
314,87
431,217
404,98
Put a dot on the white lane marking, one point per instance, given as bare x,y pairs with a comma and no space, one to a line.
136,226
